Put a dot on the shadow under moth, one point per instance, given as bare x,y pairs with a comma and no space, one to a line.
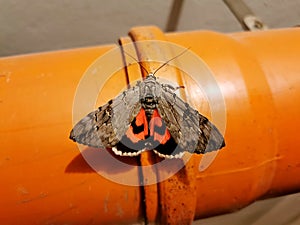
148,116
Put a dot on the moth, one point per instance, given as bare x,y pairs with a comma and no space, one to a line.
148,116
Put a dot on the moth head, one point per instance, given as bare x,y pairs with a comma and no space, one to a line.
151,76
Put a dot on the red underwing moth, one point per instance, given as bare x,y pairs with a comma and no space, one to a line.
148,116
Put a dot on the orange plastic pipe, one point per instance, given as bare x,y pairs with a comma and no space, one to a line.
259,76
46,180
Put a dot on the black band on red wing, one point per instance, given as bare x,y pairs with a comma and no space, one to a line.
169,148
136,129
126,145
161,130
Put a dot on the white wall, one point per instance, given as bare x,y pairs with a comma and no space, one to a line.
38,25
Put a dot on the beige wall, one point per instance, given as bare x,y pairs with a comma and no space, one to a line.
38,25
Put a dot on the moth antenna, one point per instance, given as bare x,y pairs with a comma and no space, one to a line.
185,50
141,65
179,87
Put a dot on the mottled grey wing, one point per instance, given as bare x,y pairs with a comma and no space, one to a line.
105,126
192,131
